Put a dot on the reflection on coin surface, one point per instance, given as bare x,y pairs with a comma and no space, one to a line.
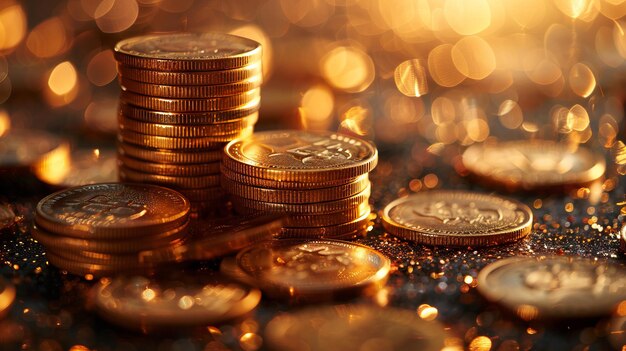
112,210
457,218
26,148
188,51
533,164
353,327
300,156
84,167
314,268
7,296
554,287
171,301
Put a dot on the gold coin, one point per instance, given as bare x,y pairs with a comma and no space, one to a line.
196,182
94,269
173,301
191,156
294,196
554,287
188,52
189,118
533,164
305,208
190,91
215,238
459,218
188,131
7,297
112,211
191,78
29,148
281,184
83,167
353,327
208,194
55,242
190,105
354,227
161,142
314,269
300,156
170,169
295,220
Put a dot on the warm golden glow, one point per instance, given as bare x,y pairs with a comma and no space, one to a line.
12,25
427,312
510,114
468,17
357,120
48,38
114,16
480,343
255,33
442,68
63,78
101,69
316,107
348,68
410,78
581,80
473,57
5,122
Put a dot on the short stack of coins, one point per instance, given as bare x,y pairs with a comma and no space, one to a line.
184,96
318,179
100,229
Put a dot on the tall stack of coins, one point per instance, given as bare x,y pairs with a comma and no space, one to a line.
319,179
100,229
184,96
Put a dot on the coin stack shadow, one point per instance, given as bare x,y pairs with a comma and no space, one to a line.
184,96
100,229
321,198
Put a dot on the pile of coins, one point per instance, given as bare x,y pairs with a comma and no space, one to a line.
319,179
100,229
184,96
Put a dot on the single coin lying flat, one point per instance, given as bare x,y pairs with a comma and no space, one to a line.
459,218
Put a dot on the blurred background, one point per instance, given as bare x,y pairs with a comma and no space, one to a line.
442,74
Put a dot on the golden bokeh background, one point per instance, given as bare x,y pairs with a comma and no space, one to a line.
451,72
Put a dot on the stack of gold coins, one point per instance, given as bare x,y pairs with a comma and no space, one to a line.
184,96
100,229
319,179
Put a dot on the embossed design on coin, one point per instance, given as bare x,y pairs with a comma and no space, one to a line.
176,300
300,155
533,164
314,267
457,218
554,287
353,327
112,210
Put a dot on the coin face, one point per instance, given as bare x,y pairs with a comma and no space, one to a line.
188,51
7,297
457,218
353,327
112,210
172,301
26,148
531,164
300,156
314,268
554,287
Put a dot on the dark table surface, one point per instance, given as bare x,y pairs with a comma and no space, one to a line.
52,311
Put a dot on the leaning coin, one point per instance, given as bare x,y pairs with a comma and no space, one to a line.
459,218
314,269
184,156
188,52
7,297
533,164
218,103
353,327
189,91
188,118
554,287
196,182
84,167
112,210
300,156
191,78
188,131
173,301
28,148
161,142
170,169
